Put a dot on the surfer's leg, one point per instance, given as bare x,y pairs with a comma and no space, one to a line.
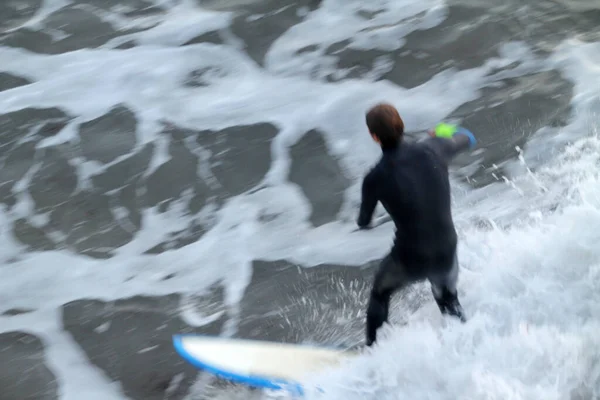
443,287
390,277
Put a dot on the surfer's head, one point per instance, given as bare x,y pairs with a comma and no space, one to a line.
385,125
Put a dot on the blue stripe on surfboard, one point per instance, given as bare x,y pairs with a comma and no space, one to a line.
250,380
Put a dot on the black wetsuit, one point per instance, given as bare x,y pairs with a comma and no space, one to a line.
411,182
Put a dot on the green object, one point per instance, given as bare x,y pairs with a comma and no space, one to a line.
445,130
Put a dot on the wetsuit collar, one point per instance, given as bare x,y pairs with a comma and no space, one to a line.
390,150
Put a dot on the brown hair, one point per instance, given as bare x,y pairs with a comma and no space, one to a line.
385,123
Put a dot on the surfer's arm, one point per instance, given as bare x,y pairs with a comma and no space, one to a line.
450,145
368,201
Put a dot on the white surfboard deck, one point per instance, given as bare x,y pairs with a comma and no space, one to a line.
257,363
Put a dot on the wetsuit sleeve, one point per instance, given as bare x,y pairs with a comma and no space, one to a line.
448,148
369,200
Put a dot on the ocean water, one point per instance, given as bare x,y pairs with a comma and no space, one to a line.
195,166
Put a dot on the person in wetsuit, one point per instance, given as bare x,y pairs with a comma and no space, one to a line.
411,182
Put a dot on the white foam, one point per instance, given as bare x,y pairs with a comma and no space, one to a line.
534,308
178,25
336,21
531,290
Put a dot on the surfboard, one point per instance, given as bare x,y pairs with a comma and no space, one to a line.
256,363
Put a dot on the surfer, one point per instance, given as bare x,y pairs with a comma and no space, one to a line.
411,182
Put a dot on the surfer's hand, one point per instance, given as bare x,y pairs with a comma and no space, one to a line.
362,228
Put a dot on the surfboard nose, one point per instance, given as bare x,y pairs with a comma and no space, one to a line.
257,363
